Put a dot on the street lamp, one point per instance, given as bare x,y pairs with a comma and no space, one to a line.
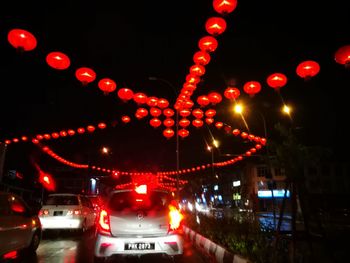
105,150
168,83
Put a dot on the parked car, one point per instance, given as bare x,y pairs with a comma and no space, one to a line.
20,228
67,212
138,222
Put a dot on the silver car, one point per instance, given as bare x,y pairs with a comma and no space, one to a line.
66,211
138,222
20,227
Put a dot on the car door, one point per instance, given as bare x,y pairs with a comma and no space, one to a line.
16,226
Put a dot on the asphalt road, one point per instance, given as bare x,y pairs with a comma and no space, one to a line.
66,247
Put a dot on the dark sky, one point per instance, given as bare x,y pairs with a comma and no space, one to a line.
129,41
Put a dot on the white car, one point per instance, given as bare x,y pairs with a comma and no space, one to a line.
67,212
20,227
138,222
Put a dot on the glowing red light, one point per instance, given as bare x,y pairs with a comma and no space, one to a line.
58,60
22,39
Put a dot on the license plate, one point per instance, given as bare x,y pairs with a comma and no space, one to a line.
139,246
58,213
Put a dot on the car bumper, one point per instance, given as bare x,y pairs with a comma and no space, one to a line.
107,246
61,223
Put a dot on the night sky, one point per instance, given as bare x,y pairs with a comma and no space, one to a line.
130,41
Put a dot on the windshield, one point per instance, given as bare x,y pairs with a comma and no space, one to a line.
62,200
129,200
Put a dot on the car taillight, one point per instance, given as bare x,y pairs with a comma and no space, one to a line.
103,223
43,212
175,218
74,212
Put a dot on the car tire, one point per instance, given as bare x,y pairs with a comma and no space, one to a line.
99,260
34,243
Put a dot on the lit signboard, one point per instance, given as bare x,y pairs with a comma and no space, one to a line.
268,194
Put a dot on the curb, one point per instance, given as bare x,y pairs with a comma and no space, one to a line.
217,253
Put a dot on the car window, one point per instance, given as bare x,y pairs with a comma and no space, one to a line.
62,200
120,201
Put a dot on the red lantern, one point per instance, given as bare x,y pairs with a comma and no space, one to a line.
197,70
58,60
47,136
140,98
192,79
236,132
72,132
125,94
101,125
21,39
224,7
232,93
342,55
107,85
210,113
219,125
203,100
142,112
184,122
198,113
152,101
155,122
215,26
24,138
90,128
209,120
168,112
168,133
185,112
168,122
80,130
201,58
252,88
162,103
126,119
197,123
308,69
155,112
85,75
244,135
183,133
208,44
277,81
55,135
214,97
63,133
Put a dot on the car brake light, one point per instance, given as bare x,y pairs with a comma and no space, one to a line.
175,218
10,255
44,212
141,189
103,222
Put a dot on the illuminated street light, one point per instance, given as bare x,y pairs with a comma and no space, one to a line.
216,143
286,109
238,108
105,150
168,83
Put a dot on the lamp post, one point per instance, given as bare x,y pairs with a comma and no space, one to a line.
168,83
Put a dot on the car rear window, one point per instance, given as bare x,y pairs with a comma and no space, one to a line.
157,200
62,200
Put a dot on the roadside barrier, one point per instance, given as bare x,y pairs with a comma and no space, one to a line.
215,252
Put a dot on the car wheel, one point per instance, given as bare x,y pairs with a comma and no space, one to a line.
99,260
34,244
